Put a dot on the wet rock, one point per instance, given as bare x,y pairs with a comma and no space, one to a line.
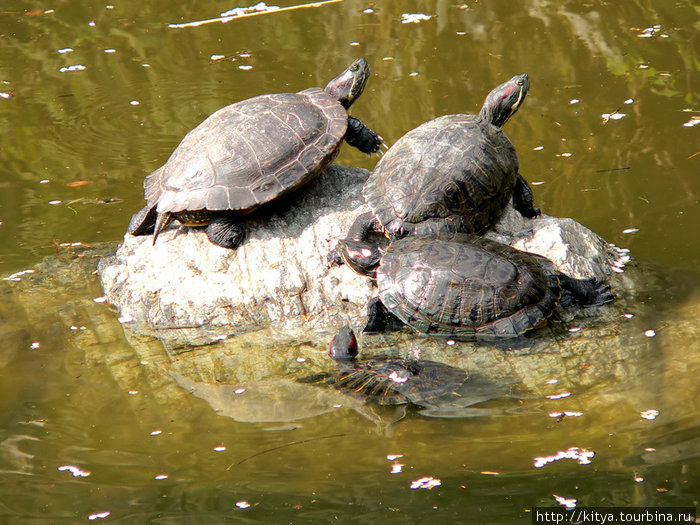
185,287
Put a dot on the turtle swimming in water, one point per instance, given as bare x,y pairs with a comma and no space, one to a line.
465,285
454,173
399,380
251,152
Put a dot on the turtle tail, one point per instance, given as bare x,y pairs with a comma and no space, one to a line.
161,223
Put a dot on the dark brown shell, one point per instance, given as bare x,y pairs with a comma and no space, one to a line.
249,153
396,381
455,166
464,284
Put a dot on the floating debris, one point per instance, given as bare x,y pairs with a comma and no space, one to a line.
582,455
354,43
427,482
613,116
245,67
574,101
217,57
566,154
35,345
567,413
301,359
393,457
91,23
7,95
538,148
414,18
561,395
637,478
17,276
99,515
161,476
76,471
650,333
628,101
156,433
649,414
413,74
368,11
397,468
239,391
694,121
65,50
575,329
490,473
627,316
569,503
260,7
243,12
649,32
69,69
630,230
219,448
242,504
101,299
110,50
134,102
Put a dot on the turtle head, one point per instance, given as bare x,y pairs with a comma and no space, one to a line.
344,345
347,86
504,101
361,256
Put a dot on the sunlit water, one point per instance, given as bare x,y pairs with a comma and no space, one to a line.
98,427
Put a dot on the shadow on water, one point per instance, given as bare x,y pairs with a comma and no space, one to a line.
79,392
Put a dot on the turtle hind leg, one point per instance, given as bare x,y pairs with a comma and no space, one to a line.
361,137
585,292
143,222
522,198
226,231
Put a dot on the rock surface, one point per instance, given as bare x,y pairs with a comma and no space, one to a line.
185,288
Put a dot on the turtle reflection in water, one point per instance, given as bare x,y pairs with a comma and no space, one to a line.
440,388
249,153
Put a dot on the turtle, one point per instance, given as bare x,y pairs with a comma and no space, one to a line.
249,153
389,380
465,285
454,173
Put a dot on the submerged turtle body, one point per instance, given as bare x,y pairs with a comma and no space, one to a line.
465,285
251,152
453,173
393,381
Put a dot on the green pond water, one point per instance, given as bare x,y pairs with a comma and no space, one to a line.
97,425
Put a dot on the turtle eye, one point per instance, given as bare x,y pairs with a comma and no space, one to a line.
520,82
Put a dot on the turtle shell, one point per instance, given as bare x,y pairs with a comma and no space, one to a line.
249,153
453,173
463,284
394,381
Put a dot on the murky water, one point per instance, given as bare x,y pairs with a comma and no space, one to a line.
94,96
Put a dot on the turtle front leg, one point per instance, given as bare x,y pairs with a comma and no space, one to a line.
226,231
584,292
379,318
522,198
143,222
361,137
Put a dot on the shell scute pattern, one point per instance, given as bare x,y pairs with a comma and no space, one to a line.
454,165
250,152
444,284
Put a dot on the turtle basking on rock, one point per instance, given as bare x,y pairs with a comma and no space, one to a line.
464,285
454,173
251,152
